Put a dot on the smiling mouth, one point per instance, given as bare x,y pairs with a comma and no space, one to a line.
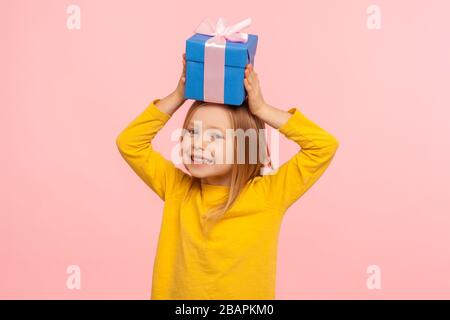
201,160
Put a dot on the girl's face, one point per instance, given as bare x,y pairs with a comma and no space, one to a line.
204,144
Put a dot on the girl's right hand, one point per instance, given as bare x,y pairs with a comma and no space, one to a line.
179,91
175,99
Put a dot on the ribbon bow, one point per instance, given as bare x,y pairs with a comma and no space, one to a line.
214,59
222,31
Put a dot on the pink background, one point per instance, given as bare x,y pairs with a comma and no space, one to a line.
68,198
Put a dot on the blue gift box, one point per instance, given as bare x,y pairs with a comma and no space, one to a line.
237,56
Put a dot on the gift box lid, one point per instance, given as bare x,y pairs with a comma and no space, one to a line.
237,54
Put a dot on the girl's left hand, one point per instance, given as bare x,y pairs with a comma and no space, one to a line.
256,101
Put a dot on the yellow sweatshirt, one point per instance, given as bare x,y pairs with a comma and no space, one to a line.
237,260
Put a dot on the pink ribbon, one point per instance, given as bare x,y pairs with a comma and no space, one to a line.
214,60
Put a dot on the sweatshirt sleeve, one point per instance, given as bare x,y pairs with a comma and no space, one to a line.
134,144
292,179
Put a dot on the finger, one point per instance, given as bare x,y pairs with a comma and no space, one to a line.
248,87
252,75
255,76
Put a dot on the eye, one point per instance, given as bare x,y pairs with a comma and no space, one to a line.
215,134
192,131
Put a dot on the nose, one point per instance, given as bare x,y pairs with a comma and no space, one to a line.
200,142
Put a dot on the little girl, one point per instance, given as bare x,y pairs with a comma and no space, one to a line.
220,224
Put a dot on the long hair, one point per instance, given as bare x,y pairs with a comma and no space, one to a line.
241,173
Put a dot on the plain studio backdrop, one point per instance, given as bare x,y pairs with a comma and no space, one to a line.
374,226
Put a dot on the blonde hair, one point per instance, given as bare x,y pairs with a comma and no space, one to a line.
241,173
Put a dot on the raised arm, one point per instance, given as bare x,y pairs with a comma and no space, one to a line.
135,145
292,179
317,148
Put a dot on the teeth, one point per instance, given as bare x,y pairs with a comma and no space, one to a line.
202,160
